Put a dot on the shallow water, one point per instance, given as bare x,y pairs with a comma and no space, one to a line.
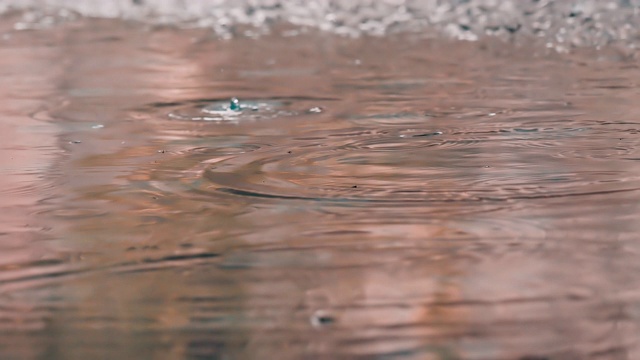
372,198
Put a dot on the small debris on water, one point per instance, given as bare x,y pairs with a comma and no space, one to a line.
354,186
75,142
315,110
98,126
161,151
289,152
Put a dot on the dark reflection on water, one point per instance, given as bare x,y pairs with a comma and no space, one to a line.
377,198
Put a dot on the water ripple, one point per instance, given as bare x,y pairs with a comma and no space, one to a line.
436,166
234,110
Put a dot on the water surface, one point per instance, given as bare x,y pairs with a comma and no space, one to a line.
370,198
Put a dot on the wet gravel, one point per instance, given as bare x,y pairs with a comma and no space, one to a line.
559,23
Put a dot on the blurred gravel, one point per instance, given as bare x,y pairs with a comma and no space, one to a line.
561,23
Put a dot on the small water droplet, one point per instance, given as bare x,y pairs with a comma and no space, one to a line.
321,318
234,105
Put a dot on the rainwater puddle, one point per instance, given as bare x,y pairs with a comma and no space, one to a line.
370,198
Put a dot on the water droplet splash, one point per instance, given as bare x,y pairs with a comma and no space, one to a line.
234,104
235,110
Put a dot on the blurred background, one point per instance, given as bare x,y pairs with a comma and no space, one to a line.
564,22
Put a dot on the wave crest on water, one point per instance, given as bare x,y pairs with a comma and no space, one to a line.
559,23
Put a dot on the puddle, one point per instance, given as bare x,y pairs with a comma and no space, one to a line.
397,198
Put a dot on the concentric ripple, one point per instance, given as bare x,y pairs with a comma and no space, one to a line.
238,109
415,167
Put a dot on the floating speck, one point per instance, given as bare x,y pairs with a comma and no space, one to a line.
98,126
315,109
75,142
